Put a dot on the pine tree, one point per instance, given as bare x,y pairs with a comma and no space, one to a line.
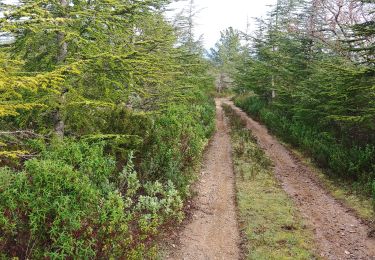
321,63
225,57
106,52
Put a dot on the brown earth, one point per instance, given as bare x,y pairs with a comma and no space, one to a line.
212,232
339,234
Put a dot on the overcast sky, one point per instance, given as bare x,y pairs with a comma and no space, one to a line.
216,15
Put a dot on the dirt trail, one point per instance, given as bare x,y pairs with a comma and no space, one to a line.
338,233
212,233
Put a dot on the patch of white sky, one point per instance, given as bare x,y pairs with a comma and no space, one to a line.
214,16
217,15
7,2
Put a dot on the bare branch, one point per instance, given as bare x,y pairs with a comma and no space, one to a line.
25,133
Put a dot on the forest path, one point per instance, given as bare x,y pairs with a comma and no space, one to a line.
338,233
212,233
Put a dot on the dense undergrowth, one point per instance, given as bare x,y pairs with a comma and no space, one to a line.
104,114
355,163
315,90
275,231
78,198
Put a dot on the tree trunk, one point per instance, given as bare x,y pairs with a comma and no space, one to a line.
273,87
274,48
59,123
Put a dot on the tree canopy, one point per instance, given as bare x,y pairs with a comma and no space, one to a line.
310,73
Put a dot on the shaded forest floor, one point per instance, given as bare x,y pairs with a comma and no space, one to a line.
212,231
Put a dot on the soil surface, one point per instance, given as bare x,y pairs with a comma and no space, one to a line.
339,234
212,232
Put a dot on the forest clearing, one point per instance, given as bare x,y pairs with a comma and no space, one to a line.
125,135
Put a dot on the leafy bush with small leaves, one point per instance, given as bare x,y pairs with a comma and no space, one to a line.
176,144
72,203
355,163
94,197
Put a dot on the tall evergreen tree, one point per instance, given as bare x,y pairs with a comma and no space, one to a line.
319,61
107,52
226,56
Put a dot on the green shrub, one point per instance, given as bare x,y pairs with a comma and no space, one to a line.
176,143
250,104
350,162
93,197
72,203
52,210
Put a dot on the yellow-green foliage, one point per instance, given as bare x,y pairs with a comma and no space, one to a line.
271,225
17,88
12,154
122,87
72,203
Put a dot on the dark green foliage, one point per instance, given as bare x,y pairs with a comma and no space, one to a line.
73,203
356,163
117,116
176,143
315,91
51,210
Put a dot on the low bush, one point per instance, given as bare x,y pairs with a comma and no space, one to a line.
72,203
81,198
176,143
355,163
251,104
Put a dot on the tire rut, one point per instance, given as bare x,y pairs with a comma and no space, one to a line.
338,233
213,233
